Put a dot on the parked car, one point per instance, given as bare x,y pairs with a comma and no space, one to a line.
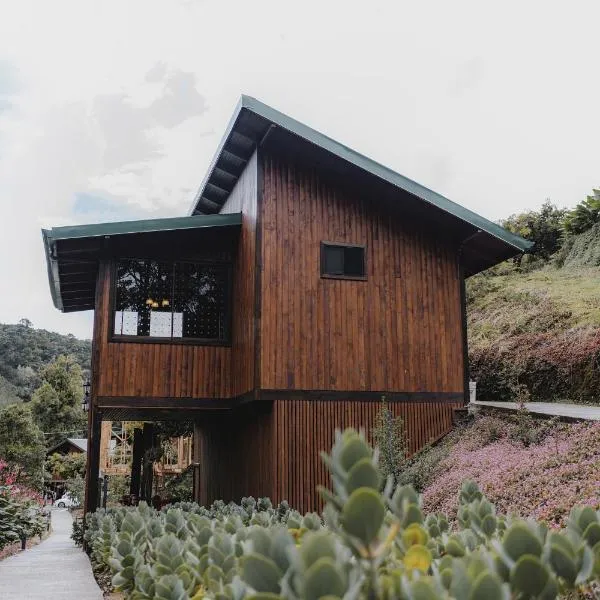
67,501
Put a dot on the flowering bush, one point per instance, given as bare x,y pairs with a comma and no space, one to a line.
20,509
543,480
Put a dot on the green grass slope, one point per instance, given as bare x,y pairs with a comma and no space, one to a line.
536,335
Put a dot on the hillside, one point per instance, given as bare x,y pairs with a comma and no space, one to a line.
533,468
535,333
24,351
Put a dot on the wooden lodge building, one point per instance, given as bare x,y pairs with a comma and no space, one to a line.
306,283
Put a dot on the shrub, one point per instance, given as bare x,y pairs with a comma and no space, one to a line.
21,513
374,544
389,435
542,480
421,468
179,487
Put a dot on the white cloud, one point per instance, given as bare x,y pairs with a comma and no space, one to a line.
494,106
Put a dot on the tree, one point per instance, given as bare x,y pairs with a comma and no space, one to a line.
66,466
25,323
390,437
22,443
56,404
584,215
544,228
8,392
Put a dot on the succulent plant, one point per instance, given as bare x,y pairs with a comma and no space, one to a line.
371,542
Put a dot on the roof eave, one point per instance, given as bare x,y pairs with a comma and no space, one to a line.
376,169
52,268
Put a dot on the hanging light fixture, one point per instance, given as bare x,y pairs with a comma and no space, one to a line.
85,402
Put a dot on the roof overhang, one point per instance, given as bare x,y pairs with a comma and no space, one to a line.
73,253
483,242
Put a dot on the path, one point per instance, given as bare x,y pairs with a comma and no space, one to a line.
56,568
553,409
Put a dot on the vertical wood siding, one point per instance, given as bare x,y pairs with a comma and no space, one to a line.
398,331
243,199
155,370
304,428
273,449
237,454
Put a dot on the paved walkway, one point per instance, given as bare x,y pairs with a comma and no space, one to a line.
56,568
553,409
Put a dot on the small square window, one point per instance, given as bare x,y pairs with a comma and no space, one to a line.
339,260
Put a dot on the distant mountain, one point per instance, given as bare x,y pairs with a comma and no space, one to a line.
24,351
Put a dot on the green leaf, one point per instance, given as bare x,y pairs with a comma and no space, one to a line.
455,547
487,586
446,577
352,451
488,525
412,514
316,546
563,564
520,540
261,573
363,514
363,474
323,579
592,534
529,575
586,564
586,517
422,589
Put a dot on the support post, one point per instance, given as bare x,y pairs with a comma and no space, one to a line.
200,465
148,465
465,340
199,492
136,462
104,490
92,490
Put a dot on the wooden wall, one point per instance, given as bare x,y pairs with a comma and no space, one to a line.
398,331
272,448
304,428
243,199
155,370
236,453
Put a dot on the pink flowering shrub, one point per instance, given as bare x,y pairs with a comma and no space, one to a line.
543,481
7,475
22,493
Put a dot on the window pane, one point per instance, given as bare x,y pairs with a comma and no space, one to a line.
354,262
143,288
333,257
200,301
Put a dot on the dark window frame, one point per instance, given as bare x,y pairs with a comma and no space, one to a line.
143,339
325,275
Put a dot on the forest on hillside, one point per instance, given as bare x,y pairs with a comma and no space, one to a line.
41,378
534,321
25,351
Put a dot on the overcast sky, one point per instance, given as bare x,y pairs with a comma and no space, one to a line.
112,110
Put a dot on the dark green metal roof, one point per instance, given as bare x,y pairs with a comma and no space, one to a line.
72,252
253,121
